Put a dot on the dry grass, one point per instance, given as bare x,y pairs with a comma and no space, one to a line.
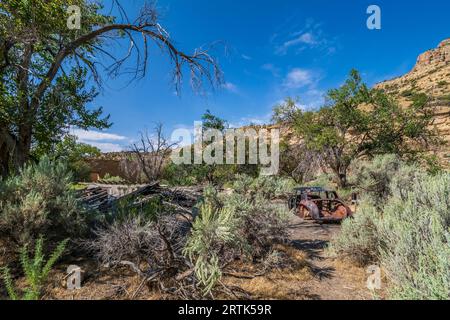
286,283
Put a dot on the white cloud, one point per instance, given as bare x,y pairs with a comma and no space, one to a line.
314,98
96,135
256,120
272,69
305,38
311,36
230,87
106,142
106,146
298,78
246,57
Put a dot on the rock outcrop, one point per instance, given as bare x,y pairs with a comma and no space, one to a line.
430,75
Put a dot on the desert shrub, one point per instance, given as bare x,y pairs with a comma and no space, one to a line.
243,225
269,187
238,202
358,239
322,180
36,270
183,174
187,174
136,240
242,183
211,244
345,193
109,179
39,200
261,224
373,178
262,227
407,93
415,246
408,234
127,209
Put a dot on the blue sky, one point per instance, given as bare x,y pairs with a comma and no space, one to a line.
275,49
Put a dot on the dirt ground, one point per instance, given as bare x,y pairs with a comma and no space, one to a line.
332,279
315,275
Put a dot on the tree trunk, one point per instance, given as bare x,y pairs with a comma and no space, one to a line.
342,180
14,152
8,153
5,157
23,145
341,176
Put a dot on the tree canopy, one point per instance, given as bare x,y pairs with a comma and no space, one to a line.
359,122
50,73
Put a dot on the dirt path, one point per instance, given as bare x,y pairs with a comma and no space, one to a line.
332,279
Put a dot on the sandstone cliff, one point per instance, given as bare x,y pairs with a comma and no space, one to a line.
430,75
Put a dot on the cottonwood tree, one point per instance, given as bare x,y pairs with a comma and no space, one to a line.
359,122
45,68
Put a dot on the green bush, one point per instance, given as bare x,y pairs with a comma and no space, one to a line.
322,180
213,234
242,225
109,179
407,232
415,239
358,239
39,200
36,270
372,179
269,187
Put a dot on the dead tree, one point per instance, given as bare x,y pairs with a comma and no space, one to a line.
299,162
152,152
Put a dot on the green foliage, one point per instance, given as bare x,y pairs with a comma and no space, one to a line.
373,179
268,187
322,180
39,201
242,183
406,229
240,225
189,175
211,121
286,112
182,175
407,93
360,122
415,239
64,103
73,153
218,174
212,230
128,209
109,179
9,284
358,239
36,270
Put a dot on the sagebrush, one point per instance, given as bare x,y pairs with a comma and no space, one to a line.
406,231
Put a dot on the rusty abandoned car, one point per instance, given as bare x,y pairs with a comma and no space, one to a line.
318,204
